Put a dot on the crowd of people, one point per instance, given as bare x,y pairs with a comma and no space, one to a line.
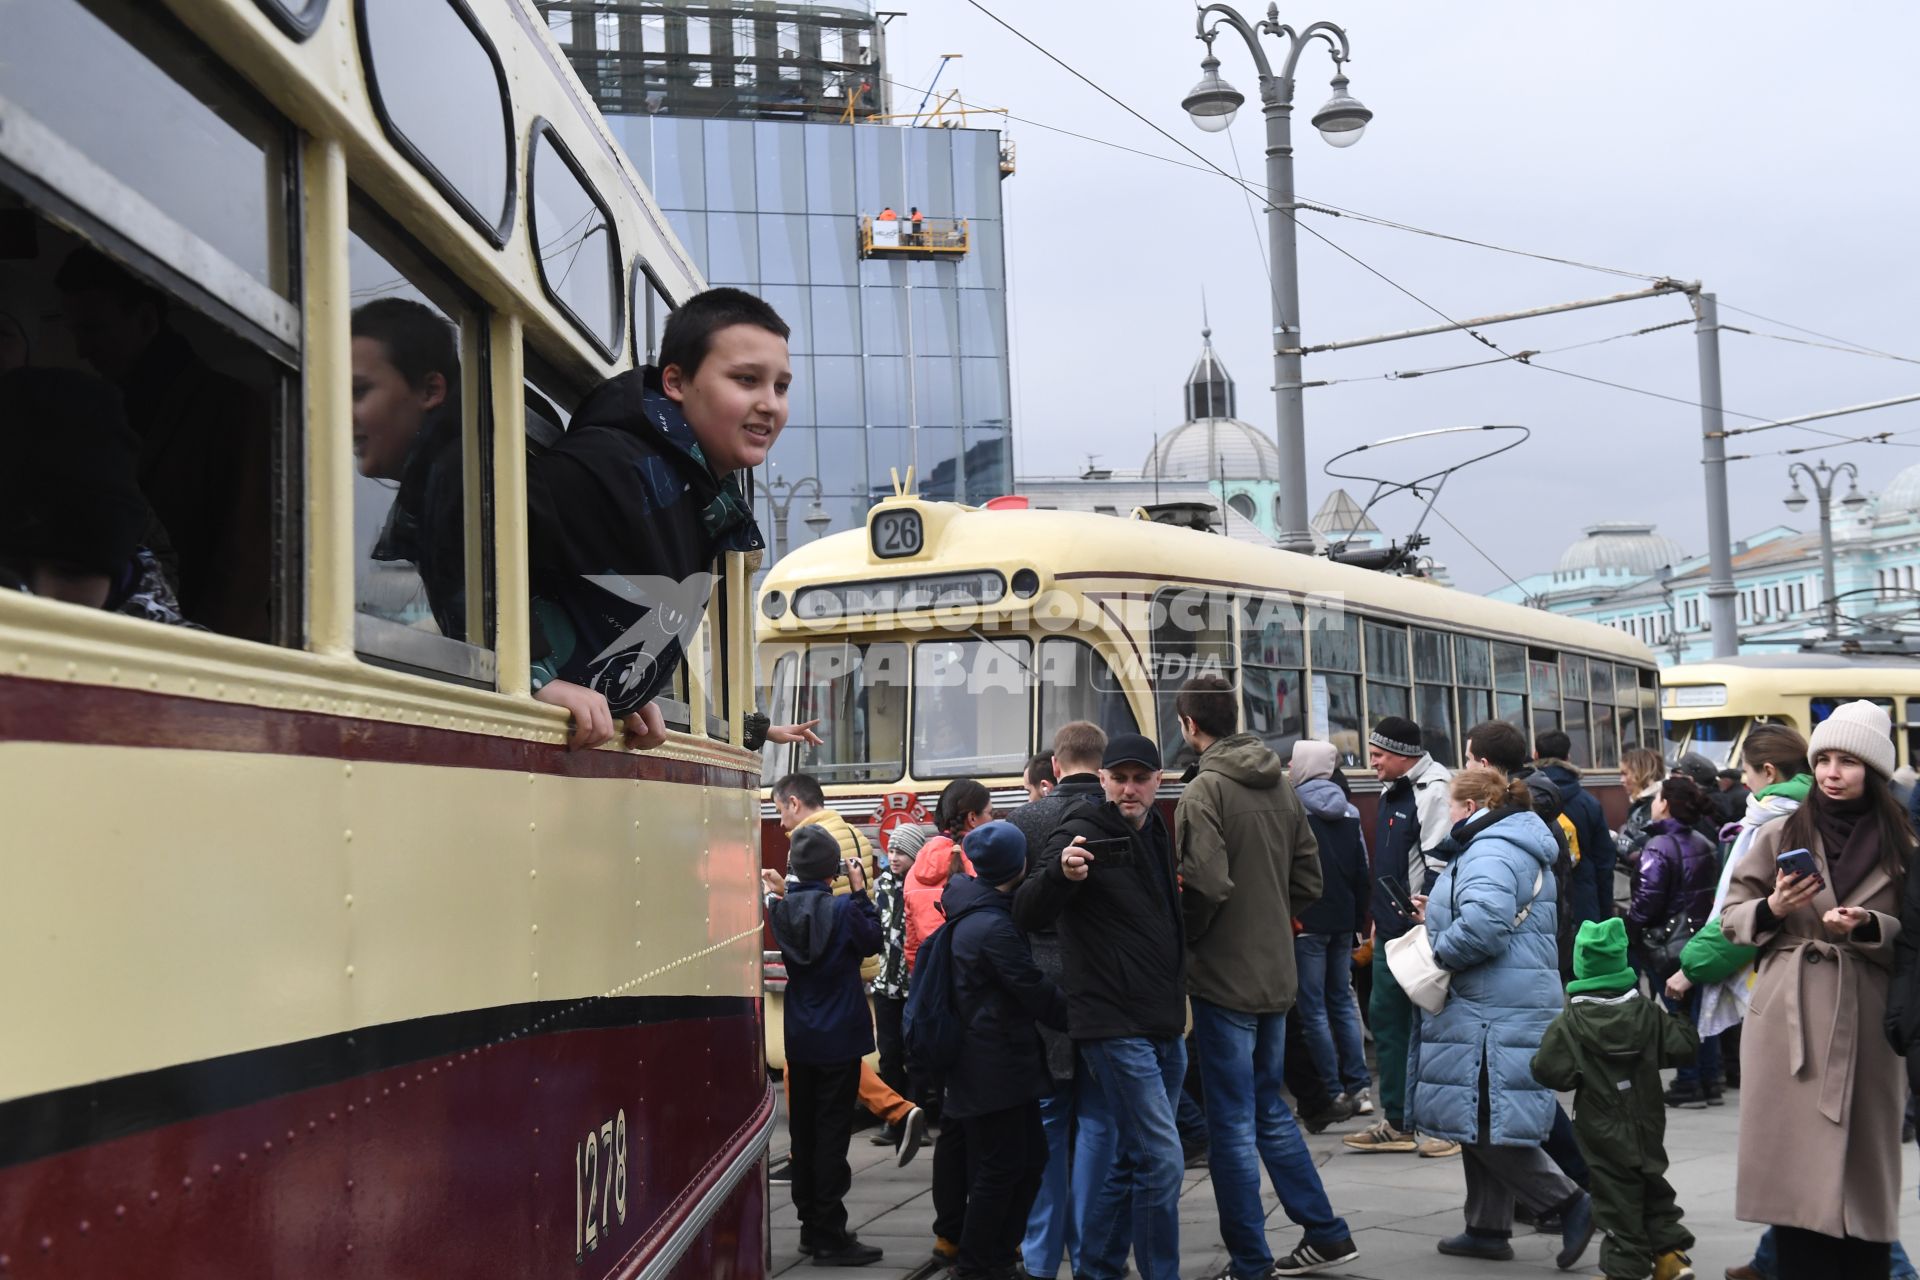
1057,981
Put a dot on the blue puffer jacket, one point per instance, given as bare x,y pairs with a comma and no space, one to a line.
1505,989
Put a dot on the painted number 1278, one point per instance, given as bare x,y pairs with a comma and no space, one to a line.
599,1184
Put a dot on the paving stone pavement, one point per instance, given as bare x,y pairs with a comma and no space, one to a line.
1398,1206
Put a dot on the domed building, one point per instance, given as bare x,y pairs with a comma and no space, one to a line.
1212,458
1628,575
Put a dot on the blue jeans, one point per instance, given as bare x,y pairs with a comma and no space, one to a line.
1241,1064
1078,1112
1329,1017
1141,1195
1766,1259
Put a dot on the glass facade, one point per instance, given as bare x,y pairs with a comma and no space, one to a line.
895,362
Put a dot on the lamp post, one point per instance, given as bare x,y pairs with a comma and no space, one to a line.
1822,478
1212,104
816,518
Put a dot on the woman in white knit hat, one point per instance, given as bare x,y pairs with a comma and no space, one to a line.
1822,1091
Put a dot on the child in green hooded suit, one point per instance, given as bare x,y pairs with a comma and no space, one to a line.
1608,1046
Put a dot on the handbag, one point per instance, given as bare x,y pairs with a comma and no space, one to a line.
1660,947
1410,960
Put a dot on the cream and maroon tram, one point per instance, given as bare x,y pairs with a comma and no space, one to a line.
319,954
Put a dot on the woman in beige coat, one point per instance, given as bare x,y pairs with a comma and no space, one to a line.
1822,1091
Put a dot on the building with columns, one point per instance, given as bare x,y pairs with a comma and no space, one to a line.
1629,576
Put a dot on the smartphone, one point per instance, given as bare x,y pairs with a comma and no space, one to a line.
1115,851
1397,894
1799,862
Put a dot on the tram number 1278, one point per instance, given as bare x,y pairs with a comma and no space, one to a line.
599,1184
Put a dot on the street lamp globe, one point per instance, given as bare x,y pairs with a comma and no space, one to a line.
1213,102
1795,501
1344,118
817,518
1854,498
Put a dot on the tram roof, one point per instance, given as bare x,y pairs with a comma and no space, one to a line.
1082,550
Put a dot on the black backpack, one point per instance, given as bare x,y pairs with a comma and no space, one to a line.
931,1026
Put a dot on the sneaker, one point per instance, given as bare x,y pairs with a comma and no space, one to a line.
782,1170
1314,1257
1468,1245
945,1252
1688,1096
1745,1271
848,1253
1338,1111
1576,1231
913,1132
1673,1265
1716,1096
887,1137
1363,1102
1381,1137
1437,1148
1195,1156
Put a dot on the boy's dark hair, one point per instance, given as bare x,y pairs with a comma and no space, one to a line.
1499,744
963,798
419,340
691,325
1729,775
803,787
87,269
1552,745
1040,769
1208,702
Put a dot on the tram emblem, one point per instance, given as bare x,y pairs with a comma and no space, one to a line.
897,809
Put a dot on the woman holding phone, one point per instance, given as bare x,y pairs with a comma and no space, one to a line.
1819,894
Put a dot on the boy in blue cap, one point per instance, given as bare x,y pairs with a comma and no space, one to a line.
994,1088
1608,1047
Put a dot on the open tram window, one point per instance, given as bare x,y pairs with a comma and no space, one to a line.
1078,683
145,258
422,572
970,707
858,693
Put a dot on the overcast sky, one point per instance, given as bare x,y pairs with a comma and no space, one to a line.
1758,147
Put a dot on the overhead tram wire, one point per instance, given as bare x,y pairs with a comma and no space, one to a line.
1811,332
1362,263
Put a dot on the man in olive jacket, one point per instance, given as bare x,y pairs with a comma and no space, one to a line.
1248,866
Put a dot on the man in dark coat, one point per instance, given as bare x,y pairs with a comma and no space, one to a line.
628,514
994,1088
1107,881
1608,1047
1590,893
1075,1118
823,938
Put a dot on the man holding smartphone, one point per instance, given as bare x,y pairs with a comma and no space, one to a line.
1107,881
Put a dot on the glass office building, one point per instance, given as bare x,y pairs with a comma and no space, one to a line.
896,362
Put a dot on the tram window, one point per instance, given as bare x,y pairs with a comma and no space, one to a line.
1626,687
1913,730
1273,679
200,407
777,699
1602,676
172,130
1509,668
438,89
1387,691
1511,707
1819,709
1476,707
1077,683
1192,635
1543,679
422,585
1579,741
579,255
1630,731
1650,709
1335,637
1474,661
858,693
1433,712
1336,715
651,306
1606,747
970,707
1714,736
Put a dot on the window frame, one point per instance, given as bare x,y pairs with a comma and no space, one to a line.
642,276
803,684
1002,644
296,22
544,128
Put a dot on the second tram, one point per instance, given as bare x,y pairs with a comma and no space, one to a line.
1709,706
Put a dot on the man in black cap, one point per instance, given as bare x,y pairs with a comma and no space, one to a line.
1107,880
829,1029
1412,820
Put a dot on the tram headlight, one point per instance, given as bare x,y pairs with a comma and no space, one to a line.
774,604
1026,584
